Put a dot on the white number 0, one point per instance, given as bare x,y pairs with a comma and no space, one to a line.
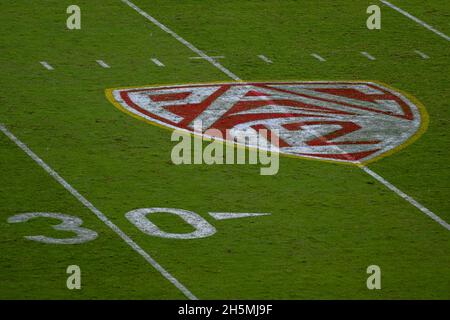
202,227
69,223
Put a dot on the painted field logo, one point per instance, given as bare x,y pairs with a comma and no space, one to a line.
351,122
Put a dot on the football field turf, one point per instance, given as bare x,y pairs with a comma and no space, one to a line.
328,221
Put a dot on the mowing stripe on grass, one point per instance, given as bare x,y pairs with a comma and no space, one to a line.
46,65
403,12
157,62
234,77
423,55
103,64
98,213
368,56
180,39
315,55
265,59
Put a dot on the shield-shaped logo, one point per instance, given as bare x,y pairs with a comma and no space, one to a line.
351,122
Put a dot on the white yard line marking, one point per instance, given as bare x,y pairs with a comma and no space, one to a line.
264,58
315,55
234,77
46,65
214,57
410,16
396,190
157,62
368,56
416,204
423,55
103,64
234,215
97,212
180,39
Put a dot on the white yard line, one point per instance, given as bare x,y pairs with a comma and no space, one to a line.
103,64
97,212
264,58
46,65
213,57
368,56
183,41
157,62
315,55
403,195
410,16
423,55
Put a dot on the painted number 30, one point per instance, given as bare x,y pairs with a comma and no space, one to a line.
139,217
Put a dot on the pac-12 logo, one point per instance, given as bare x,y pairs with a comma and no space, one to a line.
340,121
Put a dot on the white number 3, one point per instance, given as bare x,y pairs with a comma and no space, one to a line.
69,223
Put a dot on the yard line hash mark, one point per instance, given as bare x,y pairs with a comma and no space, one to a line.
103,64
183,41
264,58
97,212
417,20
315,55
236,78
368,55
46,65
423,55
157,62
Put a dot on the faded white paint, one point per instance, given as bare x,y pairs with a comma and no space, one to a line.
423,55
46,65
103,64
234,215
68,223
157,62
318,57
368,55
140,218
264,58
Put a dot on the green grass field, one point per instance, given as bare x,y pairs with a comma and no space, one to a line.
328,221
